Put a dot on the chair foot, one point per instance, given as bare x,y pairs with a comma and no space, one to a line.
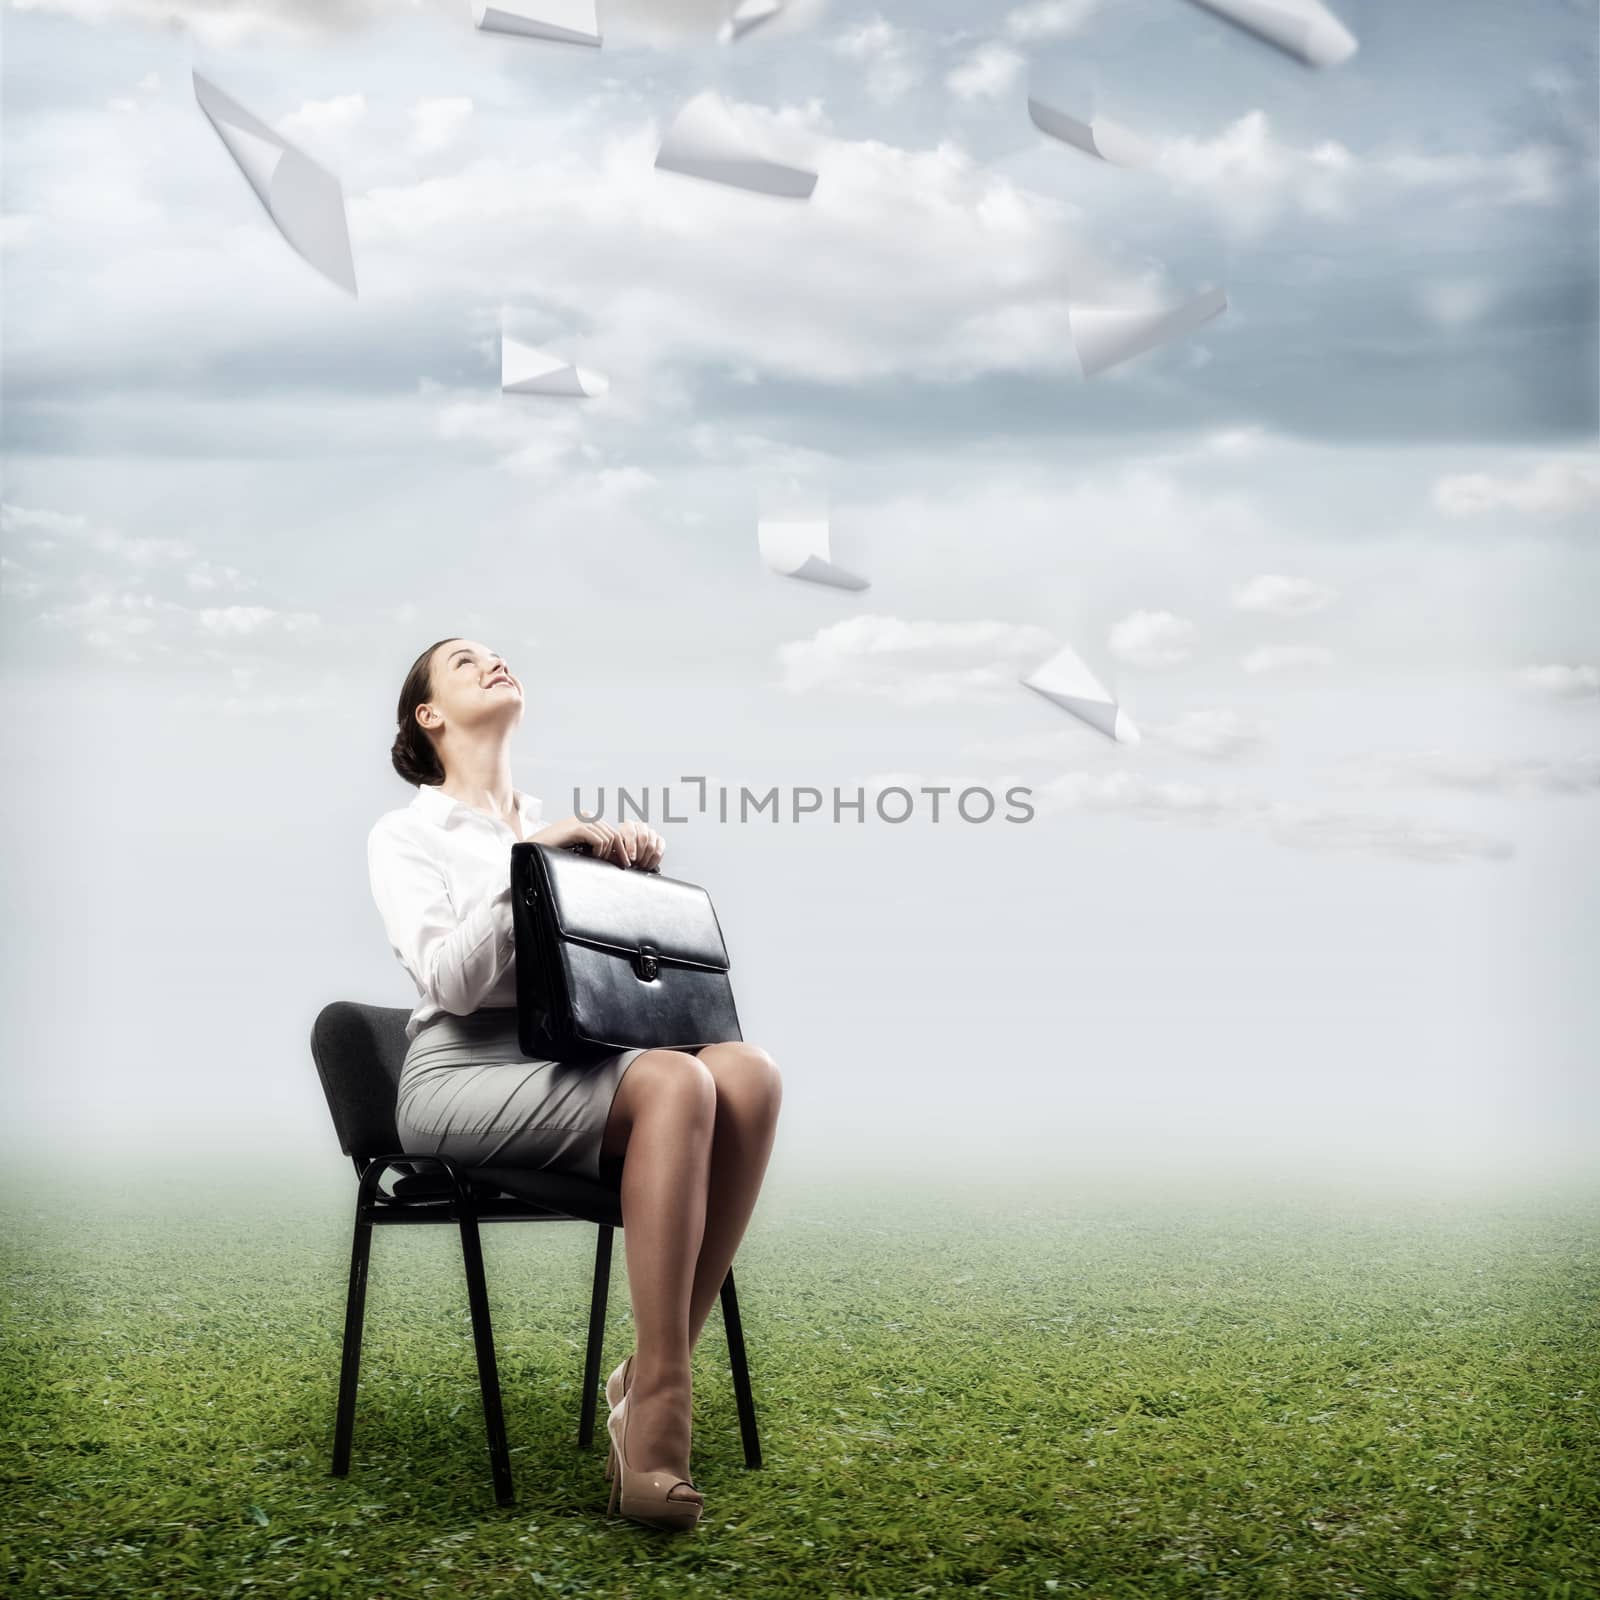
743,1399
488,1374
354,1319
597,1332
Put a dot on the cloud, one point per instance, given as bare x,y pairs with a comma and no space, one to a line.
914,663
1399,838
39,519
1212,734
1251,176
48,528
208,576
1279,596
1286,658
238,621
112,623
1563,485
839,295
116,610
1049,19
132,625
437,124
616,483
1573,775
230,22
15,582
1297,827
1152,639
1561,682
246,698
317,120
661,23
532,440
1528,175
1243,443
986,74
884,52
1455,302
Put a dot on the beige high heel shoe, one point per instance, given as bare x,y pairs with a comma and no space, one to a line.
616,1388
617,1383
644,1496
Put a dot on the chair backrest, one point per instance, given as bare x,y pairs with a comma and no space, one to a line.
359,1051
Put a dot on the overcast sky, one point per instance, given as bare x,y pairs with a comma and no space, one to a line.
1336,553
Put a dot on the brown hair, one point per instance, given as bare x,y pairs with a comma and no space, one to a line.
412,753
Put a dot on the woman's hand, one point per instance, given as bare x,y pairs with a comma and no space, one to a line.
629,845
604,842
644,846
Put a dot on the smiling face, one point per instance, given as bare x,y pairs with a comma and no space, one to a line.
472,687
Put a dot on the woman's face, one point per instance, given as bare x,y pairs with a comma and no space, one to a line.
472,686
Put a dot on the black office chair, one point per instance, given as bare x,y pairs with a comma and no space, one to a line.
359,1051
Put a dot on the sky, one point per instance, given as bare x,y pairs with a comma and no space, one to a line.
1335,553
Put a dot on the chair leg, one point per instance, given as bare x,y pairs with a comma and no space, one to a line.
488,1373
597,1334
350,1363
741,1373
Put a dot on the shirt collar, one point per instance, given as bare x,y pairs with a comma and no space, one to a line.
442,809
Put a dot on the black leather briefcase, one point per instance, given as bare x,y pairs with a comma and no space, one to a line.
611,958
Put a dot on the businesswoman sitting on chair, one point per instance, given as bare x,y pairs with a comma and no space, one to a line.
685,1134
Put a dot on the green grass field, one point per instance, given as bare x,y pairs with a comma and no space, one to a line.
1073,1390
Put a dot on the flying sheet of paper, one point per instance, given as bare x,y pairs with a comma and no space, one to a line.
1065,681
707,141
750,14
1106,336
1099,136
801,550
303,199
564,21
1304,28
525,370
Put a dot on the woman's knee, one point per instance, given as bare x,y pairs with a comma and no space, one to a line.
671,1080
747,1072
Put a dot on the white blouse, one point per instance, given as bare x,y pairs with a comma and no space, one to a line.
441,875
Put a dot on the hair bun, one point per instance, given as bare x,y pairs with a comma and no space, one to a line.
413,753
414,757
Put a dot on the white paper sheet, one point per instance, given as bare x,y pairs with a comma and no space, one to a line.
801,550
707,141
526,370
1106,336
1065,681
750,14
1098,136
1304,28
563,21
304,200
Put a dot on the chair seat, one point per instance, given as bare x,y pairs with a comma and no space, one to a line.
562,1194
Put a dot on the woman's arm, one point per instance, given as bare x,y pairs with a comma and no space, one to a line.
454,960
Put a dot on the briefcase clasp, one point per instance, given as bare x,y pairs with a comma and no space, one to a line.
647,964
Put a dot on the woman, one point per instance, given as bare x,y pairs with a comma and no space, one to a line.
685,1134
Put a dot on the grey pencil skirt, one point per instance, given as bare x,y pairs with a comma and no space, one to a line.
468,1092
